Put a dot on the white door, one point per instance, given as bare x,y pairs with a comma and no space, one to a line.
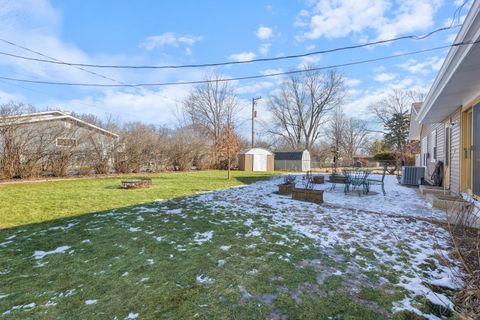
259,162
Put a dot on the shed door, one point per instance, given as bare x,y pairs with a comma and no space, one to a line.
259,162
476,150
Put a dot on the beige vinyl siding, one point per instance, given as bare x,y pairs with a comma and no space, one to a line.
455,153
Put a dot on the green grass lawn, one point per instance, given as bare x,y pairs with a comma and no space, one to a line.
33,202
178,259
97,252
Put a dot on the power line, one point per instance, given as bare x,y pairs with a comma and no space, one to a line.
240,78
225,63
54,60
57,61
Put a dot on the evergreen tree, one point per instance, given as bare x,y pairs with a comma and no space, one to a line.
396,132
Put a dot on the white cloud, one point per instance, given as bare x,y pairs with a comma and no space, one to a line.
309,60
340,18
169,39
422,67
6,97
255,87
264,48
264,33
383,77
242,56
37,25
352,82
149,106
451,37
271,71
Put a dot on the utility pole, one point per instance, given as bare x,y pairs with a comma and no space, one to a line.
254,115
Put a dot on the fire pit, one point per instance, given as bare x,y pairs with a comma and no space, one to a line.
136,183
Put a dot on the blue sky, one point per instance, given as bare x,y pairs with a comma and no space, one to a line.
180,32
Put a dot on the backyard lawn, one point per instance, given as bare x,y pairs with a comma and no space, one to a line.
31,202
239,253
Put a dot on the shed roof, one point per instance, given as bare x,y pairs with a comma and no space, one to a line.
259,151
289,155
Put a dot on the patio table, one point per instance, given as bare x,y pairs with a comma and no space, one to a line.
357,179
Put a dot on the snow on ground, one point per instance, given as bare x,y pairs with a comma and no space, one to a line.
132,315
376,233
203,279
386,225
200,238
41,254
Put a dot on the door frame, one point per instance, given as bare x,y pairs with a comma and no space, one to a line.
447,153
466,157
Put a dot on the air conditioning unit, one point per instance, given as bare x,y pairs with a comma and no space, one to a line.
412,176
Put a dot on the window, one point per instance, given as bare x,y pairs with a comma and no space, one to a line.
424,150
66,142
433,150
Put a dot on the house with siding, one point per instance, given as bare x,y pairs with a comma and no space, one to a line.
55,140
447,123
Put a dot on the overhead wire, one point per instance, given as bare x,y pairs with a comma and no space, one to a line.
58,61
223,63
193,82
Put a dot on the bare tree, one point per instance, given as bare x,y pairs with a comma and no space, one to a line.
211,107
397,101
355,137
335,131
183,148
135,151
300,107
24,145
98,150
393,112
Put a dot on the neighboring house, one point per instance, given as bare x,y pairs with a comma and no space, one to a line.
365,161
415,130
292,160
50,137
255,159
448,122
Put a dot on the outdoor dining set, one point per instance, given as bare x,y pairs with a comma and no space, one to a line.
359,179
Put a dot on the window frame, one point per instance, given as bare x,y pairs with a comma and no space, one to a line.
66,146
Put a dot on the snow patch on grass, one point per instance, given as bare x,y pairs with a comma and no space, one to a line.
203,279
249,222
200,238
41,254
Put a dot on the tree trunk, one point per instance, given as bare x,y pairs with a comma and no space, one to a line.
229,175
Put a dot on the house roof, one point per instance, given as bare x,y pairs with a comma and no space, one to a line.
458,81
45,116
415,126
289,155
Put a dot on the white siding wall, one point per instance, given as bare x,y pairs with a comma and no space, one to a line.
426,135
455,153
